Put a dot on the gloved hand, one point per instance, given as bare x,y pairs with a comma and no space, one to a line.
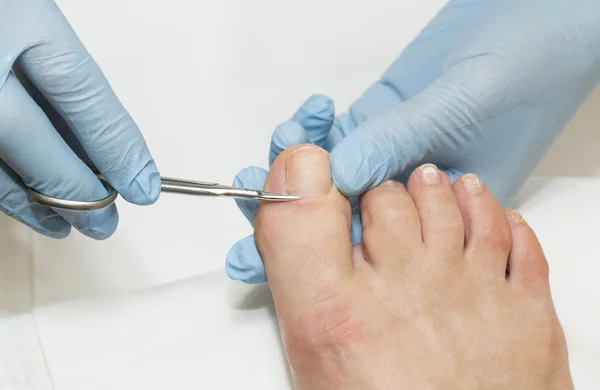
59,115
486,88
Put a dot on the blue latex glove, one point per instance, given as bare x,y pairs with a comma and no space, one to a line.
486,88
59,115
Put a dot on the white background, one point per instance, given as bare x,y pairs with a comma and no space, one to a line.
207,82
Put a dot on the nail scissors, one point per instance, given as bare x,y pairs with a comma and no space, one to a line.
168,184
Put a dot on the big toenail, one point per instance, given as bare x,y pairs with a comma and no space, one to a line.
308,172
472,183
516,217
430,174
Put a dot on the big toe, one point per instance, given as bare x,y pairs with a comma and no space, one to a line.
305,244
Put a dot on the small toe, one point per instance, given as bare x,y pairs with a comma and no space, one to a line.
391,225
487,233
440,218
527,265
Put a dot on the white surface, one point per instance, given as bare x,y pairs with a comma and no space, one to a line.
207,82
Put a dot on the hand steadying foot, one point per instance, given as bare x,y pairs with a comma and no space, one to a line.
425,302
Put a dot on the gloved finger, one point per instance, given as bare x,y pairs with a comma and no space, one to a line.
14,202
342,126
315,117
253,178
431,127
66,74
356,225
55,118
33,149
286,135
244,262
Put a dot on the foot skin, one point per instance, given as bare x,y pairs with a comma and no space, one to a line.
425,302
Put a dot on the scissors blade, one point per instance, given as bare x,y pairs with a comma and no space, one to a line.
271,197
181,182
201,188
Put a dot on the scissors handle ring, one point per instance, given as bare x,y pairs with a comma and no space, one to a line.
75,205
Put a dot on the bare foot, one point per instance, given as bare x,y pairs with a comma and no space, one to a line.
426,302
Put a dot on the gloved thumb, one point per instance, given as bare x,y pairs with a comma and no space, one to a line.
312,123
428,128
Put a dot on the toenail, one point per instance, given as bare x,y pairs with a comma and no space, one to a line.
516,217
391,183
472,183
430,174
308,172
